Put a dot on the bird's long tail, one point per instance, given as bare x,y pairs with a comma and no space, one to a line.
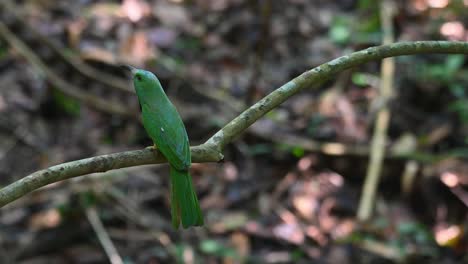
184,202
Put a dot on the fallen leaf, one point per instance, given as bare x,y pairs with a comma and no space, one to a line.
448,236
316,234
289,232
306,205
229,221
135,10
74,30
136,49
98,54
45,219
241,243
162,37
171,15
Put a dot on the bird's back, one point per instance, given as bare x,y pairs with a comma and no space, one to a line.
165,127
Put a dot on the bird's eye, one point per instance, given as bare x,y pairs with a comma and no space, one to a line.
138,77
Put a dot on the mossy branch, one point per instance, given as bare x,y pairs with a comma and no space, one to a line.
211,151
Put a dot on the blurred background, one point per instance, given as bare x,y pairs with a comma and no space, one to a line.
290,187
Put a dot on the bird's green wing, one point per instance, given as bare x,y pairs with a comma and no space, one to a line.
167,130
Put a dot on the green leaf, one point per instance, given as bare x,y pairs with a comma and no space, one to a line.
365,4
460,106
314,124
213,247
453,63
298,152
457,89
87,199
210,246
340,30
415,230
69,104
297,254
339,33
3,49
360,79
187,43
259,149
443,72
370,24
179,250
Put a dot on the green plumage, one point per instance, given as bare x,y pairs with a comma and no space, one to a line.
165,127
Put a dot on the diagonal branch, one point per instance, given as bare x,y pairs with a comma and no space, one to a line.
383,118
211,151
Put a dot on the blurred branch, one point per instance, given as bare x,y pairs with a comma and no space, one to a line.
383,118
381,249
24,46
106,242
65,87
331,148
100,76
264,11
211,151
409,176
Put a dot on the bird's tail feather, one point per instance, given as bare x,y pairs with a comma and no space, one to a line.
184,202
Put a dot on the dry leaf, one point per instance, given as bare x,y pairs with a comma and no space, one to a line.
172,15
136,49
74,30
306,205
135,10
241,243
45,219
289,232
98,54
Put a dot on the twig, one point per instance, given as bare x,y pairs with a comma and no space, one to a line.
383,119
111,107
409,176
9,146
73,60
340,149
230,103
264,9
99,76
211,151
103,237
327,148
381,249
59,83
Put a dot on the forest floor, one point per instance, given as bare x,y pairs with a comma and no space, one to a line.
288,190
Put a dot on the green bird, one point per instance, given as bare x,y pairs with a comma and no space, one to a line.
165,127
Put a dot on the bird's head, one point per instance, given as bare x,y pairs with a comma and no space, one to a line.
142,80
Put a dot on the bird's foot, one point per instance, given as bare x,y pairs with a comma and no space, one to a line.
153,148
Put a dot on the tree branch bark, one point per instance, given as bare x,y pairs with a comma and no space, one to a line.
211,151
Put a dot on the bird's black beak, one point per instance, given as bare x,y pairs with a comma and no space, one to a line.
128,68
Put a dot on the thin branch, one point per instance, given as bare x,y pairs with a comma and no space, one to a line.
106,242
323,73
101,163
73,60
211,151
62,85
339,149
68,88
382,123
408,177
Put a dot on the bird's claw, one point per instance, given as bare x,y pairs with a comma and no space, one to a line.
153,148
